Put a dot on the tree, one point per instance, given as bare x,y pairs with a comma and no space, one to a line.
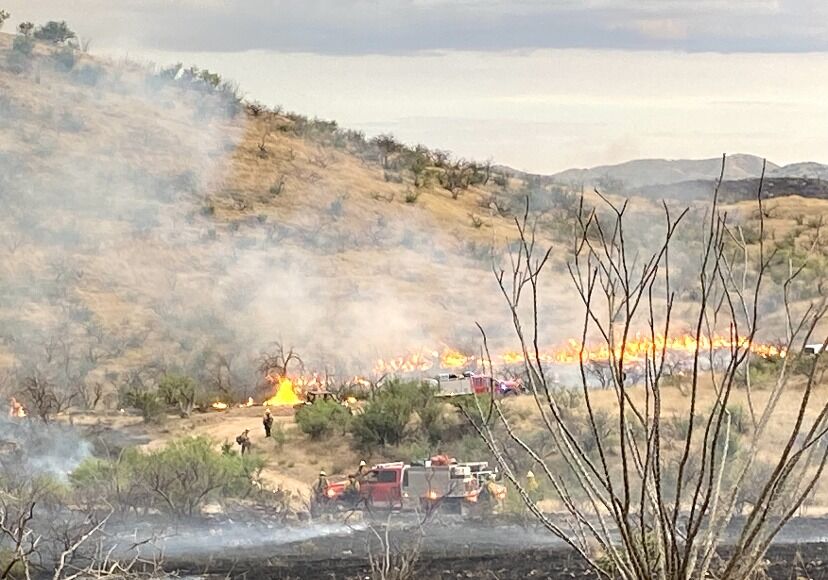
54,32
385,418
178,390
322,418
387,145
3,17
657,508
25,29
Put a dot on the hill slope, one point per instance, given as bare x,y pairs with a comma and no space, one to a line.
154,223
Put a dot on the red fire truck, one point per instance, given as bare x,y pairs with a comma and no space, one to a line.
412,487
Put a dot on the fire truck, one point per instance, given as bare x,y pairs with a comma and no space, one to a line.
423,486
453,385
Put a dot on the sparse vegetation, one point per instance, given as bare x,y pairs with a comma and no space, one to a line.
54,32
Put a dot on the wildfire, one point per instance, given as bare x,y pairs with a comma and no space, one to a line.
636,349
219,406
285,393
16,409
249,403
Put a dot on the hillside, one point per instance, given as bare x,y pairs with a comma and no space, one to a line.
156,223
153,222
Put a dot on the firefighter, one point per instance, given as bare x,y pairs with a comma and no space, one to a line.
320,486
244,441
318,497
493,494
267,421
351,493
532,487
363,467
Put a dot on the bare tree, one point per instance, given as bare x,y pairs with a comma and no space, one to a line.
278,360
653,509
391,558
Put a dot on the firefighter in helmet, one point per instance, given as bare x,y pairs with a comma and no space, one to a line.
493,494
351,493
532,487
267,422
244,441
321,486
363,467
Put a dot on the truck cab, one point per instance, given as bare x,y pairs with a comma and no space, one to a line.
381,485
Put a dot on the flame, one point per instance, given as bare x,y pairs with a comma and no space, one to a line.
16,410
285,394
219,405
249,403
636,349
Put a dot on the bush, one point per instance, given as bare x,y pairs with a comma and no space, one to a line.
23,45
322,418
54,32
65,58
148,403
386,417
178,390
89,75
178,479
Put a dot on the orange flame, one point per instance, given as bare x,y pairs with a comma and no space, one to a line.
219,406
285,394
249,403
16,410
636,349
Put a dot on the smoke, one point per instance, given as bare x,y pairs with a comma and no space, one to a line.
135,240
35,448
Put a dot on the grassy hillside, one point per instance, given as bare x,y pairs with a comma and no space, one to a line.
153,222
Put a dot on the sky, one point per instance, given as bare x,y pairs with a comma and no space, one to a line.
540,85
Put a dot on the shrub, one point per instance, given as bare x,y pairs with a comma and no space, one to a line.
89,75
54,32
178,479
65,58
148,403
23,45
385,418
411,196
178,390
322,418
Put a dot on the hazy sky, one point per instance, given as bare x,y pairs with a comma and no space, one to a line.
539,85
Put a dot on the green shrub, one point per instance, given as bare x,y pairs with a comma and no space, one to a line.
322,418
148,403
385,418
23,45
54,32
65,58
178,390
178,479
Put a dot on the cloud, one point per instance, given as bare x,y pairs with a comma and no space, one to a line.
410,26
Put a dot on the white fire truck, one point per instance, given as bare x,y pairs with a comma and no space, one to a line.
453,385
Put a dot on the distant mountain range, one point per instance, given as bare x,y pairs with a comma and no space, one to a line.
647,172
691,178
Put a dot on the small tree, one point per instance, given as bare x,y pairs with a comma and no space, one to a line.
322,418
3,17
54,32
386,417
178,390
25,29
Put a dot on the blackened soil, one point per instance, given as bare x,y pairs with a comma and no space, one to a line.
783,562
